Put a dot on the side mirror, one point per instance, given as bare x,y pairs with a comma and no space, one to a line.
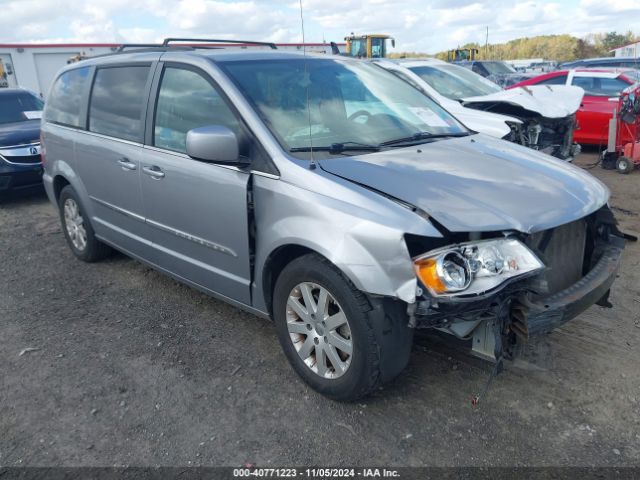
213,143
393,42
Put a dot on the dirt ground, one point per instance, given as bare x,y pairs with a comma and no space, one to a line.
132,368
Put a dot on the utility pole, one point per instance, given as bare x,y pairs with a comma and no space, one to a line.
486,45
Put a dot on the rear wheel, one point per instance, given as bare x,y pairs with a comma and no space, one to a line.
77,228
624,165
323,326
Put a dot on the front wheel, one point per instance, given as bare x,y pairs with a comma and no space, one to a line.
324,326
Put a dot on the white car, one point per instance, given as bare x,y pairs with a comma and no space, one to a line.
542,118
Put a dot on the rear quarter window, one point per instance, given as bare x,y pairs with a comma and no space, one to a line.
65,99
611,87
557,80
117,102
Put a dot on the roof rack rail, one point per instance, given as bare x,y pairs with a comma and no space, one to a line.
215,40
138,45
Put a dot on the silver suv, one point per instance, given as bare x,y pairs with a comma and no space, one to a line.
328,195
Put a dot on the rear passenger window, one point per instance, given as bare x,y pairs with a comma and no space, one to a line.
600,86
557,80
117,100
65,100
187,100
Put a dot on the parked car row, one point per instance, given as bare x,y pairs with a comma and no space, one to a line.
332,196
506,75
600,81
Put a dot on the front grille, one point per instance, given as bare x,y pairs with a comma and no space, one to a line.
28,154
562,250
27,159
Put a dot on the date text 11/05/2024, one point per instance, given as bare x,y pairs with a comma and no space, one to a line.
316,472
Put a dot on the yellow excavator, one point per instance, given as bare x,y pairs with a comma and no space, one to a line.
460,54
368,46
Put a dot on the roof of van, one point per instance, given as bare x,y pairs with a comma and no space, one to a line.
239,55
215,54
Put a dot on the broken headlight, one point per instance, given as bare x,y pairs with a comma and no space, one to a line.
474,268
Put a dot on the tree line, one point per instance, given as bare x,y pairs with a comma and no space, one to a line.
561,48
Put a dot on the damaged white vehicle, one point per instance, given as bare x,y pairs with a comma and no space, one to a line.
540,117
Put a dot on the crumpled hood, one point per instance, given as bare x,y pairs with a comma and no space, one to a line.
551,101
478,183
19,133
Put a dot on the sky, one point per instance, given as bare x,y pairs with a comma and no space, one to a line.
417,25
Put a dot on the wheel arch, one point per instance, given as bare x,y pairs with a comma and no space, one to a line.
59,175
59,182
275,263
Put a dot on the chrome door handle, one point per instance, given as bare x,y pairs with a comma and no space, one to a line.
126,164
153,171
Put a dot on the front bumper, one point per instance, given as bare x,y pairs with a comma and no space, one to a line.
543,315
514,305
21,179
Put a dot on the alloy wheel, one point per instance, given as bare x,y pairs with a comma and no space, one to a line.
74,224
319,330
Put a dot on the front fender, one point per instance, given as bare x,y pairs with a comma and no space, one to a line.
365,240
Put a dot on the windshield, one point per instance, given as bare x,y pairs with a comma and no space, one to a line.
19,107
377,47
497,68
349,102
358,47
455,82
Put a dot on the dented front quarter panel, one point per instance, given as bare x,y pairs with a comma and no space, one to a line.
361,232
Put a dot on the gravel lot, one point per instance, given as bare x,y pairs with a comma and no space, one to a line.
132,368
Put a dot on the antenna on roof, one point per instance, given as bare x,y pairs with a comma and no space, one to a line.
312,163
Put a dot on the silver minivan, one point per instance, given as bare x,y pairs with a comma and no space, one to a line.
328,195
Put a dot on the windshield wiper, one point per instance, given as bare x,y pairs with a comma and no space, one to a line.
420,136
337,148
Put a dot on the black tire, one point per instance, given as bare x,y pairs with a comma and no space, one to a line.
364,372
624,165
94,250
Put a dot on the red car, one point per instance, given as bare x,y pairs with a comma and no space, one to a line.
601,89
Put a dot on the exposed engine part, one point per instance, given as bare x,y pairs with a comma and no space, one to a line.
551,136
533,135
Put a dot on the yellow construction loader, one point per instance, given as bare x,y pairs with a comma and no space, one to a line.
368,46
461,54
